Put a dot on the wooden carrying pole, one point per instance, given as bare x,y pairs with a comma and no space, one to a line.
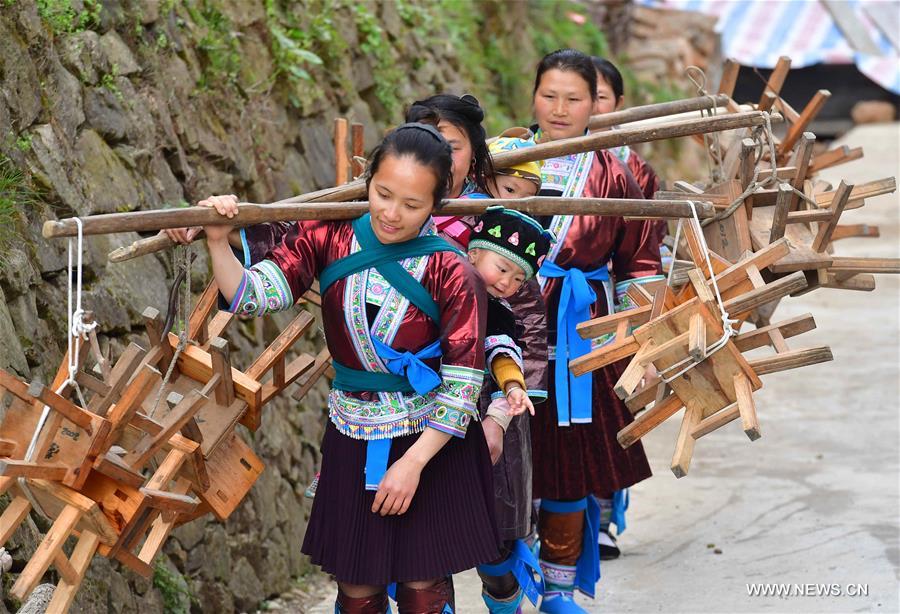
248,214
628,136
660,109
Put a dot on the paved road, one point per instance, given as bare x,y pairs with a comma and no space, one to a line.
817,499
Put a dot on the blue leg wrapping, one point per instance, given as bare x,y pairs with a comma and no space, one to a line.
522,564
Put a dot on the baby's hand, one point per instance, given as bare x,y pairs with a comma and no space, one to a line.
519,402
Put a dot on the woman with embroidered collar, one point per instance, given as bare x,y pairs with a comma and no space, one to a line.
405,488
577,459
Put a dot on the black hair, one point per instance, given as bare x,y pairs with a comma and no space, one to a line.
465,113
426,146
568,60
610,74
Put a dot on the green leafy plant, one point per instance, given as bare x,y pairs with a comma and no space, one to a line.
62,16
217,41
173,592
16,196
109,83
374,43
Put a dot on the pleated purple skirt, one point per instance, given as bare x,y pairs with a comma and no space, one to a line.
448,528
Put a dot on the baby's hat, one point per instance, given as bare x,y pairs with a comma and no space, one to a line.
514,235
517,138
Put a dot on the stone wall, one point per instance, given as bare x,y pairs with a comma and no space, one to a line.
117,106
120,105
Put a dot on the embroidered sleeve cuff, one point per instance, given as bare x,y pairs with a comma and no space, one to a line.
263,289
456,399
496,345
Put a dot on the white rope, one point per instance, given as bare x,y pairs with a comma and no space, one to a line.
728,330
77,330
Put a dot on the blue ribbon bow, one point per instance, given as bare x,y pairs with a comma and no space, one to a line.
573,393
421,377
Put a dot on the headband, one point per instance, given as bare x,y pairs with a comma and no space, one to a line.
426,127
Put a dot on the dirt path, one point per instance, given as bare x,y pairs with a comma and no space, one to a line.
817,499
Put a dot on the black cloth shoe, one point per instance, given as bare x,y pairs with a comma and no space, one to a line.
608,548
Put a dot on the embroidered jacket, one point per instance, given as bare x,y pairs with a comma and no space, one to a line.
364,304
588,242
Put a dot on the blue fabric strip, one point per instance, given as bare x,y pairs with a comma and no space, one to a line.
377,452
246,247
620,501
573,393
587,567
524,566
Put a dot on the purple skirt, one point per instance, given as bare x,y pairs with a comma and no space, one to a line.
448,528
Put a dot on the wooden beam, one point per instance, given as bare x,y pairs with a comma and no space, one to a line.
130,402
761,336
221,364
865,265
172,423
276,350
782,207
604,356
13,516
697,337
778,76
198,365
802,159
649,420
678,343
341,163
809,113
791,360
770,292
197,322
633,373
834,157
357,149
684,448
715,421
862,282
846,231
746,406
730,70
82,555
591,329
27,469
153,324
46,552
823,235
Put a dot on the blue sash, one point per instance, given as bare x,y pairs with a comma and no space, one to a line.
407,371
573,393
